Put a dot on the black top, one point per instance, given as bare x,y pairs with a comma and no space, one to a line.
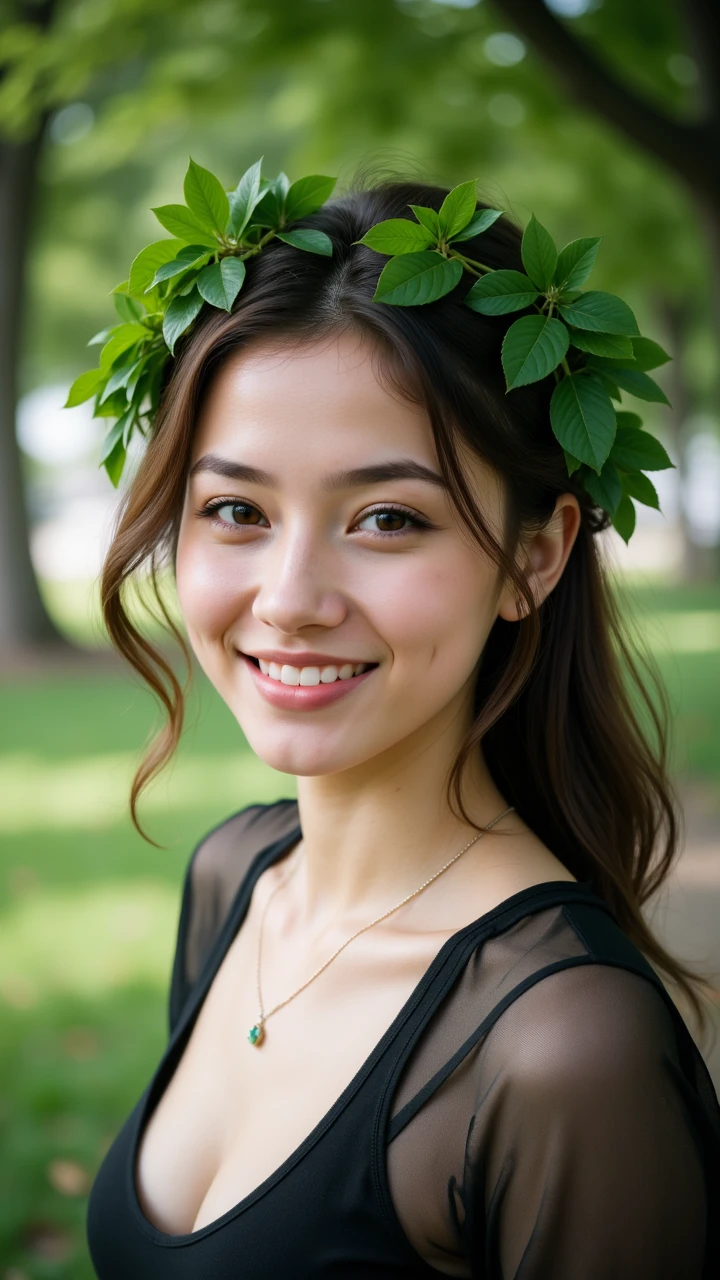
538,1110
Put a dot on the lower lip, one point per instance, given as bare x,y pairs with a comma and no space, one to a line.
299,697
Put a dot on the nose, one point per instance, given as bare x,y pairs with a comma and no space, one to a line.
297,586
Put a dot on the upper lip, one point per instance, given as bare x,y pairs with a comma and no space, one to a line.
304,659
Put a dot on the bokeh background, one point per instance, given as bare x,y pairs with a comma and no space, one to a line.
602,117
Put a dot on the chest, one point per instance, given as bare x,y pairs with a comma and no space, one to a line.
232,1113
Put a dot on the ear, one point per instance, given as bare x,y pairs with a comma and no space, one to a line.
545,556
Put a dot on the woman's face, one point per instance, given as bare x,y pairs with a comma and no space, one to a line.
329,591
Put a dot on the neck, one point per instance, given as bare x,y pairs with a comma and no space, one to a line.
373,834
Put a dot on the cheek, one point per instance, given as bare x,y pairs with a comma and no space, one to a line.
207,586
436,613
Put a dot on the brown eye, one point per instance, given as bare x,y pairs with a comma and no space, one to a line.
390,521
239,513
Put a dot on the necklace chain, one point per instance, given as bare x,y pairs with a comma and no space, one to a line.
257,1032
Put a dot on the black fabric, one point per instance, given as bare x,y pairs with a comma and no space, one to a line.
538,1110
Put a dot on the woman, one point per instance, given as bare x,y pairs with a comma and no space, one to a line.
416,1027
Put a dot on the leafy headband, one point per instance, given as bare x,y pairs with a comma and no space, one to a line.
587,339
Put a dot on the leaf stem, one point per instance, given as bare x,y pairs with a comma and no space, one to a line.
470,264
255,249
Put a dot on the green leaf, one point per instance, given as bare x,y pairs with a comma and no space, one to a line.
220,283
123,337
457,209
244,199
428,219
396,236
206,199
648,354
180,222
147,263
84,387
611,387
114,434
636,450
532,348
583,418
600,312
604,489
115,462
539,254
306,195
601,344
500,292
572,463
311,241
270,210
99,339
188,257
127,308
637,485
639,384
119,378
113,407
179,316
624,518
139,370
416,278
575,262
627,419
483,219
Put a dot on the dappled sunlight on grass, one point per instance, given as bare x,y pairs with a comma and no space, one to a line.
89,911
691,631
86,941
92,791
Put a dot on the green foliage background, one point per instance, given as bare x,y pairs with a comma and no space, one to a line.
87,911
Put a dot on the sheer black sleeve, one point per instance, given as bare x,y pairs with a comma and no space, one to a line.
582,1164
217,868
576,1138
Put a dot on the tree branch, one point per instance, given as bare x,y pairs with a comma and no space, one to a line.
702,20
685,148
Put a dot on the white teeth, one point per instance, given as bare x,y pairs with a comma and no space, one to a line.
309,676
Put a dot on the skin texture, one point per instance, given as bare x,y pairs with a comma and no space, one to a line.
307,569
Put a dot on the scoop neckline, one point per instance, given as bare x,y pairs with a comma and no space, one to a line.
265,858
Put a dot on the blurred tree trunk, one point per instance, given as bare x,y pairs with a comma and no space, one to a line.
23,618
698,561
688,148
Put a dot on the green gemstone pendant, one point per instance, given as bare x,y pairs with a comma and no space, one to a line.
256,1034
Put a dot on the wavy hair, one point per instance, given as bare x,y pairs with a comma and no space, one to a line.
562,694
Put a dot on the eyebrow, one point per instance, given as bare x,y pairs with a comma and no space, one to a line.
401,469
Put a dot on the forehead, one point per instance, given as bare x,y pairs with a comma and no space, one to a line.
301,397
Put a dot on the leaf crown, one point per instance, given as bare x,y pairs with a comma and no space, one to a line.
588,340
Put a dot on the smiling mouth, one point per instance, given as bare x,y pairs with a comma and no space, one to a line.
309,676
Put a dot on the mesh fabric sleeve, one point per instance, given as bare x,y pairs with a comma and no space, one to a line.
217,868
566,1146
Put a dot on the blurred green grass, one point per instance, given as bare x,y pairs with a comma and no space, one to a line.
88,911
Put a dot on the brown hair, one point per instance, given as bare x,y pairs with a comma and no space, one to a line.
561,694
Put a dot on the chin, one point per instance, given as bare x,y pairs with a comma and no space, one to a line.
308,754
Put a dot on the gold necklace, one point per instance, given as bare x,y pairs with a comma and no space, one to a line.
256,1034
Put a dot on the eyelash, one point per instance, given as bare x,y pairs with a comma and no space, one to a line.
208,512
